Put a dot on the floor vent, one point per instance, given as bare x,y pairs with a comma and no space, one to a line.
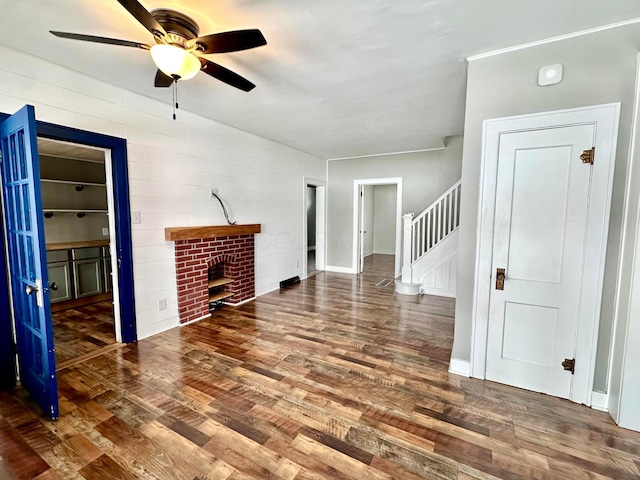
289,281
384,282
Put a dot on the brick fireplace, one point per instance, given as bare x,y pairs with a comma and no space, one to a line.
213,265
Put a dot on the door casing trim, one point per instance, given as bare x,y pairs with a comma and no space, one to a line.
606,118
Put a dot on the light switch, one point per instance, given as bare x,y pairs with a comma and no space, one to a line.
135,217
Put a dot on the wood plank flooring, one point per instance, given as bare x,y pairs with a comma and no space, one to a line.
82,330
334,378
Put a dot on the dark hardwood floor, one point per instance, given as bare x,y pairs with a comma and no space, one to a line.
334,378
84,330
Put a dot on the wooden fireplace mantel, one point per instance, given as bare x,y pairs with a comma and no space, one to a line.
191,233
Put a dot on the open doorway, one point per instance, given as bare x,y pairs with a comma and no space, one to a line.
314,226
25,289
378,230
77,209
377,226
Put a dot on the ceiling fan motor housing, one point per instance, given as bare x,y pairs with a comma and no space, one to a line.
178,26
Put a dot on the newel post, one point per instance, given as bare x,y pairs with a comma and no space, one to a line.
406,247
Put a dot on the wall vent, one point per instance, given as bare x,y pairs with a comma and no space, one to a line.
289,281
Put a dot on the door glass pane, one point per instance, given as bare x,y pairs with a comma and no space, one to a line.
26,205
12,156
22,257
22,161
30,259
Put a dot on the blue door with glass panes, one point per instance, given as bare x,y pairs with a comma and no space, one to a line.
24,227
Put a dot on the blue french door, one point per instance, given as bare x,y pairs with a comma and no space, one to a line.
24,226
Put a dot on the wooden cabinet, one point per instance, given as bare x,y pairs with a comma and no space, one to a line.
59,281
78,273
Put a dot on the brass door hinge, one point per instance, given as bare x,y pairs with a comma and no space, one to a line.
500,276
569,364
588,155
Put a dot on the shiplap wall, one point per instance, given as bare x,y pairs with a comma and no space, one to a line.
172,165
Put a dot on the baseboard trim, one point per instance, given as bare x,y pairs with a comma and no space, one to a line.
600,401
460,367
240,303
332,268
194,321
437,292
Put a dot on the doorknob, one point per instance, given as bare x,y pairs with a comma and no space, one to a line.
500,276
30,289
53,286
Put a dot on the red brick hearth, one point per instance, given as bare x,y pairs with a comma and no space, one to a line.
194,257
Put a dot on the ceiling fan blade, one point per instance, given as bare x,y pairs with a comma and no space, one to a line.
144,17
229,41
162,80
225,75
94,39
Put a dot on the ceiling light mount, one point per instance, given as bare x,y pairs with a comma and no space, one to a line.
176,23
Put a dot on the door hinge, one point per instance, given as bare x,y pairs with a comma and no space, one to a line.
15,349
588,155
569,364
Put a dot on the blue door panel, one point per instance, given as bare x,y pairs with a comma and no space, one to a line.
24,230
118,149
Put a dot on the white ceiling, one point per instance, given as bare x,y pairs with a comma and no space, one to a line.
338,78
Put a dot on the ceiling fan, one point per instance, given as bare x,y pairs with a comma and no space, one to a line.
178,48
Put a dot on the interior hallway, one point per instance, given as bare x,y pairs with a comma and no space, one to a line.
332,378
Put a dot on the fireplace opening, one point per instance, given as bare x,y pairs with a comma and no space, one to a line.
218,285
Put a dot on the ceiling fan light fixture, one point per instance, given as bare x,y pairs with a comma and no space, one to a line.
175,61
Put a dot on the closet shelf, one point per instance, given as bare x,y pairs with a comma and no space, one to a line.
218,296
72,182
67,210
220,282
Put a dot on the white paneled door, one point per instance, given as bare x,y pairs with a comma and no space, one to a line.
541,214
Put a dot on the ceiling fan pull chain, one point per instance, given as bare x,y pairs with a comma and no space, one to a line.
175,98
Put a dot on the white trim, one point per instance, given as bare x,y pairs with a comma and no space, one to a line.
333,268
113,245
605,117
627,212
356,189
459,367
240,303
558,38
600,401
434,149
194,321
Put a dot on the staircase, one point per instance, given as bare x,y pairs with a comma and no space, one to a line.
430,247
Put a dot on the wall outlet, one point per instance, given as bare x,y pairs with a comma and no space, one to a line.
135,217
162,304
297,264
212,192
105,231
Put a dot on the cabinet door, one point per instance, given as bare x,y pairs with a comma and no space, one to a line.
59,281
88,277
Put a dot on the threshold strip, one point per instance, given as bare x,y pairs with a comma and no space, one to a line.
88,356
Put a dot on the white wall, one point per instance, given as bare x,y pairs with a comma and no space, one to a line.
384,222
425,176
599,68
172,164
